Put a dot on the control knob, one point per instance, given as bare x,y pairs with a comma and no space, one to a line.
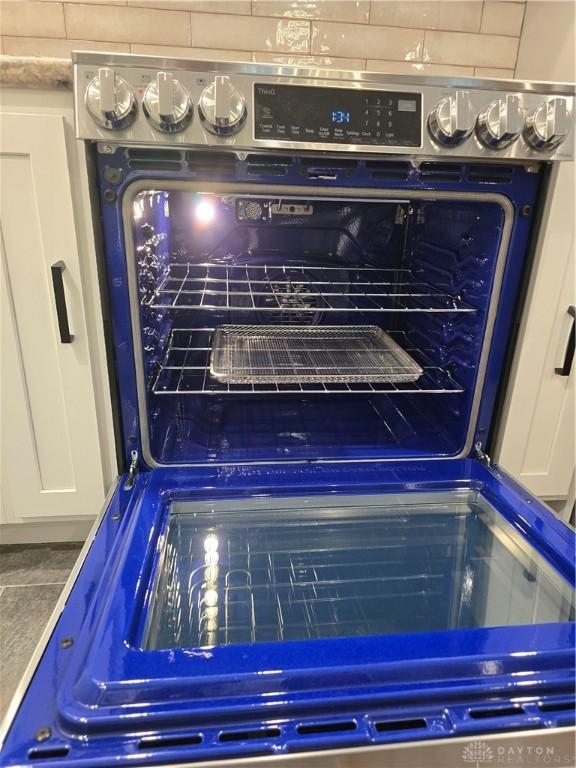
222,108
110,101
500,123
548,125
167,104
452,119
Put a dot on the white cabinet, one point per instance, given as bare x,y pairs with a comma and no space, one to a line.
50,458
537,436
536,441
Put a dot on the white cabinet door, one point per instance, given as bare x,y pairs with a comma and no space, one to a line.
536,439
50,463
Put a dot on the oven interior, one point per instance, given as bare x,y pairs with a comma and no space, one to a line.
293,296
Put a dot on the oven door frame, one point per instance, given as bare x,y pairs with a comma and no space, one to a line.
526,184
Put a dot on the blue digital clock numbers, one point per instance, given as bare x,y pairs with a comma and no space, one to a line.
340,116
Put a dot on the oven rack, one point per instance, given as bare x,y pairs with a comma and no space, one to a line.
185,370
297,288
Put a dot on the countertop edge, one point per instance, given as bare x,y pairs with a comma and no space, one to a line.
33,72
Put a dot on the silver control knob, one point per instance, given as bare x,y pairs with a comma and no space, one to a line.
548,125
222,108
110,100
452,119
167,104
500,123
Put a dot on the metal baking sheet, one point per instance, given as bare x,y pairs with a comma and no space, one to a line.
268,354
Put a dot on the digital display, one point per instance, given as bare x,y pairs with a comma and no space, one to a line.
298,113
340,116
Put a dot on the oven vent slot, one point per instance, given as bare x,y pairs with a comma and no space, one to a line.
154,159
412,724
557,706
491,174
256,733
488,712
395,171
48,753
267,170
168,742
327,167
310,729
327,163
268,165
221,163
441,171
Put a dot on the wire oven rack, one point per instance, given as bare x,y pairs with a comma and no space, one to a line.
185,370
292,288
269,354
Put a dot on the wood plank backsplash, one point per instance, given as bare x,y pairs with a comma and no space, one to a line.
453,37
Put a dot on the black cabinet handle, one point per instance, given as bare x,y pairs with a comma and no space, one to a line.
60,301
569,354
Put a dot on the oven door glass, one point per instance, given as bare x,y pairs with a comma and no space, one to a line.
284,569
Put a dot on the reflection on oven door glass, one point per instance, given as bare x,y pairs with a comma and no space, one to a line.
276,570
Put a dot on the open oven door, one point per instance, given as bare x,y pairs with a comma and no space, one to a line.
422,613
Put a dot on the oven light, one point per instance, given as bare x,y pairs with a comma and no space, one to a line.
211,558
211,574
205,212
211,543
211,598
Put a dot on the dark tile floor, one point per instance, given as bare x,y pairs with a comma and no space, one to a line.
31,579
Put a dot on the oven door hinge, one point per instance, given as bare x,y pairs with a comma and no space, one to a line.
481,456
132,472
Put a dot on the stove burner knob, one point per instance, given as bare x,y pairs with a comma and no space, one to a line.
110,100
222,107
167,104
500,123
452,119
548,125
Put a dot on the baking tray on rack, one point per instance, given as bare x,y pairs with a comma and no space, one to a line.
276,354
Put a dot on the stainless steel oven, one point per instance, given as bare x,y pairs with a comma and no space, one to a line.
312,280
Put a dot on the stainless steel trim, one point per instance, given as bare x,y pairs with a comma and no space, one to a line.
513,748
248,68
285,192
194,76
20,691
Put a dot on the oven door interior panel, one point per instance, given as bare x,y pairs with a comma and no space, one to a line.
235,611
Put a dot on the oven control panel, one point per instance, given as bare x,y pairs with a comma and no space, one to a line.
337,115
125,99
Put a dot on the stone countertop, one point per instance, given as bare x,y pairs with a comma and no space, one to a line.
31,72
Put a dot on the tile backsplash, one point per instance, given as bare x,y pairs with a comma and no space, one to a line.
460,37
